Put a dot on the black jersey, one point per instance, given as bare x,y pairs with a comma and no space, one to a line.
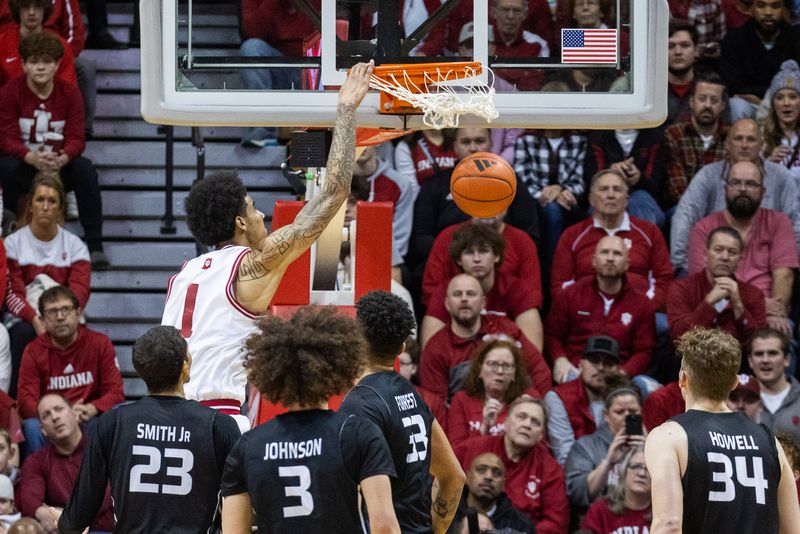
393,404
164,458
302,471
732,474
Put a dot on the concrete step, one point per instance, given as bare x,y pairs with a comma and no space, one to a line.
131,280
124,332
125,360
138,306
138,129
200,7
114,229
115,60
167,255
202,36
130,81
118,80
126,19
115,176
130,60
151,203
135,388
152,154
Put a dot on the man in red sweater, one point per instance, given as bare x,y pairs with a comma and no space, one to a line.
520,256
649,271
29,16
534,480
713,298
38,104
446,357
605,304
478,250
70,360
48,475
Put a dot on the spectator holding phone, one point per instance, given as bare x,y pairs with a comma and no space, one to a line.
594,462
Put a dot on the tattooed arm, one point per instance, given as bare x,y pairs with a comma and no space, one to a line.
254,288
449,477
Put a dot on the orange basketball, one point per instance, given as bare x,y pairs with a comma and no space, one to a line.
483,184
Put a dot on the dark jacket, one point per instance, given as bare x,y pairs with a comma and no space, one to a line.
505,516
747,66
647,153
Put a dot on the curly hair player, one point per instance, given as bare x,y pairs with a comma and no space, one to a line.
216,299
715,470
300,472
417,442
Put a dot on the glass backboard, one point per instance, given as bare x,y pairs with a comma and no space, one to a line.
561,68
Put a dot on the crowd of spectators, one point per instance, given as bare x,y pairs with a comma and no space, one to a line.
545,346
56,375
549,329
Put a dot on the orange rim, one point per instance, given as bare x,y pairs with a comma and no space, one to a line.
422,72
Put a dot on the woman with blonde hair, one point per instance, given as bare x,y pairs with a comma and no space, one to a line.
44,251
497,377
627,507
782,122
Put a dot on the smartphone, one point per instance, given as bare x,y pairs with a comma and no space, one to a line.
633,424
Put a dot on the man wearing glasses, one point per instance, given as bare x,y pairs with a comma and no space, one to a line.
70,360
707,191
769,256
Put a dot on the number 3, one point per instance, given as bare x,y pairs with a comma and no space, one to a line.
153,466
301,490
416,437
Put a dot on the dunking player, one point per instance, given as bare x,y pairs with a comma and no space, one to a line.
716,470
300,471
162,454
216,298
418,443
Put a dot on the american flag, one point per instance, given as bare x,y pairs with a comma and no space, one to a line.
588,46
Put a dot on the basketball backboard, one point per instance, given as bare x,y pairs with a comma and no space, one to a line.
184,84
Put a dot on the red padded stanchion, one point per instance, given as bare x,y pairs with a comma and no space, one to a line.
296,284
374,247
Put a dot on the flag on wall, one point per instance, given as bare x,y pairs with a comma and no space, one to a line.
588,46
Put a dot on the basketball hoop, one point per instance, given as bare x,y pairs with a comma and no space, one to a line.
441,92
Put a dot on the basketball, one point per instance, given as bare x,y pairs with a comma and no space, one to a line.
483,184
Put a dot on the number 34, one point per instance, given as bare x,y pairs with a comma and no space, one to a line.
757,481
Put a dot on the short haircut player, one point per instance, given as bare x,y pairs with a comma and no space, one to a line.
716,470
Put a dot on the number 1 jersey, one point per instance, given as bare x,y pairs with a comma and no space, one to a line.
201,304
732,474
392,403
302,470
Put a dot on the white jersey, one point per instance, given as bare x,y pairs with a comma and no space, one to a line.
202,304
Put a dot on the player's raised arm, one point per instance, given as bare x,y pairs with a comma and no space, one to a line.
286,244
661,455
787,496
450,477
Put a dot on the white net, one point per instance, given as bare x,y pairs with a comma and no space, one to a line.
444,96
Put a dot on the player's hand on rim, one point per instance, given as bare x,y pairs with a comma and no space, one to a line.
355,87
